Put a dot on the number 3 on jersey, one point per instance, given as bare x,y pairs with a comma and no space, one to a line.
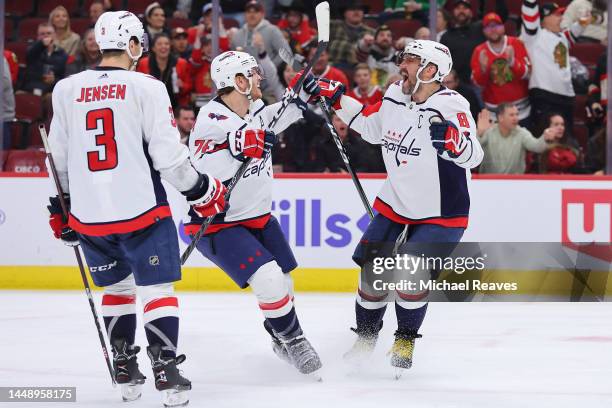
106,160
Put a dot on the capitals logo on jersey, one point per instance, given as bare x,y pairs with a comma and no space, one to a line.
216,116
391,145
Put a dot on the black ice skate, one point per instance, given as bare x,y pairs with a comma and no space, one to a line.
402,350
277,345
302,355
168,378
364,345
127,374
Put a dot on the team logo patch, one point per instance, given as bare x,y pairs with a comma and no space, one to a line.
216,116
154,260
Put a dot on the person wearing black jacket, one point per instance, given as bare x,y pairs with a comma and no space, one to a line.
465,34
45,62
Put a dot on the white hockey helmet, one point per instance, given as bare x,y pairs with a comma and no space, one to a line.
226,66
114,29
430,52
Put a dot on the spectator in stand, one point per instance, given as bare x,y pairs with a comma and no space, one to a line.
180,45
204,27
155,21
452,81
96,9
13,63
64,37
365,92
422,33
271,87
506,143
201,58
88,56
597,101
185,119
344,34
564,155
550,83
412,9
462,38
255,22
595,159
294,149
597,28
500,66
322,69
363,156
45,62
174,72
296,23
377,51
8,107
443,19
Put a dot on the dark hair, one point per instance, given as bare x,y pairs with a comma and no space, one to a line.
504,106
157,37
280,71
179,109
545,122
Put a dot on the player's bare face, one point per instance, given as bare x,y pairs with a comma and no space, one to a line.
256,90
408,70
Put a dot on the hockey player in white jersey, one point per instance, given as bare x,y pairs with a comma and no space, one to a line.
429,143
246,241
113,138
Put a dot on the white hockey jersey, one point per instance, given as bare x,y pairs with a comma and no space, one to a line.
251,200
421,187
112,133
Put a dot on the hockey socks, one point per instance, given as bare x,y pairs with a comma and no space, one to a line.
161,320
410,316
119,312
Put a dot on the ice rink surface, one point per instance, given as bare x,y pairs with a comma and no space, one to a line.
471,355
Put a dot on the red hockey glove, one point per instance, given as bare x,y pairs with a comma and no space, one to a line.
445,137
332,91
59,224
210,201
255,143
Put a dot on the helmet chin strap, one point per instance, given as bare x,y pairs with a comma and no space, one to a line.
420,81
246,93
134,58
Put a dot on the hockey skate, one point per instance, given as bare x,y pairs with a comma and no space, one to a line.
277,345
303,356
401,352
363,346
127,374
168,378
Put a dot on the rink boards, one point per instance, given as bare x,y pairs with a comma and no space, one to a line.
323,219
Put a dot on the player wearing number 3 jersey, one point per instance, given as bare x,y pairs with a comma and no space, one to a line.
113,139
428,140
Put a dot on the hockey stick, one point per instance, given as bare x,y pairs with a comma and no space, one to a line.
289,59
322,13
342,150
60,194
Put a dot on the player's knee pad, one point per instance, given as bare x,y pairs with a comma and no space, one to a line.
158,301
270,288
119,298
126,287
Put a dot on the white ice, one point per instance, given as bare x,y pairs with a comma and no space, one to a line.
471,355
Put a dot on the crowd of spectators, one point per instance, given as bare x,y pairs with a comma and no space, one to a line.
517,66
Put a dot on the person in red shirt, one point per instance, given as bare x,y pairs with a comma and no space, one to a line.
501,67
205,24
201,58
365,92
174,72
322,69
296,23
13,63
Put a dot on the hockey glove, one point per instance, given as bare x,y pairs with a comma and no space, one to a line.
332,91
207,198
309,92
255,143
445,137
59,223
